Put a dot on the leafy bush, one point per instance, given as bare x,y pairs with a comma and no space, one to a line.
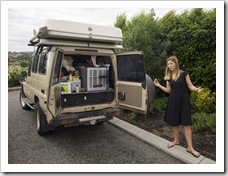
134,115
205,101
159,104
24,64
202,122
193,103
14,76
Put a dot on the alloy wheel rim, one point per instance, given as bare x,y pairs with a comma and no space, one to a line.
38,120
22,102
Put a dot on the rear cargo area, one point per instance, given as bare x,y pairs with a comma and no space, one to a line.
86,80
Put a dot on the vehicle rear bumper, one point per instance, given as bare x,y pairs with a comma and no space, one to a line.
91,117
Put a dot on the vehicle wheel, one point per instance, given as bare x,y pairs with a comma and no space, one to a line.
99,123
42,126
151,89
22,102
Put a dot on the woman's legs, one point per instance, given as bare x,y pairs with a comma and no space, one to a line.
188,137
175,136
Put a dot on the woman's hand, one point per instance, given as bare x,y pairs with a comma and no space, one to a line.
165,89
199,90
156,83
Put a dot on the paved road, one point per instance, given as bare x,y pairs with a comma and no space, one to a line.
103,144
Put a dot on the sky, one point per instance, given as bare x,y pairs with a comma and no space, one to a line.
22,17
22,21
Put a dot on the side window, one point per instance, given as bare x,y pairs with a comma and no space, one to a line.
58,63
131,68
34,63
30,68
42,64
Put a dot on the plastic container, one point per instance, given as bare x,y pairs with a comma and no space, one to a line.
75,85
65,88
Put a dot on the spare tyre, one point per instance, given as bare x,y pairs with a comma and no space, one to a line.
150,89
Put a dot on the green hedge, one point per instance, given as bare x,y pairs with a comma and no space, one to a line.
204,122
159,105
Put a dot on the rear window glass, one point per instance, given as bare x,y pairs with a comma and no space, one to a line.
131,68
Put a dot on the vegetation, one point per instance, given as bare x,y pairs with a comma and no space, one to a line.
159,104
24,64
19,56
134,115
204,122
205,101
191,36
14,76
17,62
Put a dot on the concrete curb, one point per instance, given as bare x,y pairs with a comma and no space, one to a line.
178,151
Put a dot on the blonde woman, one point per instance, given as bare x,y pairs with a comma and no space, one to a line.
178,111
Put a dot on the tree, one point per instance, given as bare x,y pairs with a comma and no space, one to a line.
190,36
141,33
121,20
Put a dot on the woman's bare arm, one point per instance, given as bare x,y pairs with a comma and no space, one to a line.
191,86
165,89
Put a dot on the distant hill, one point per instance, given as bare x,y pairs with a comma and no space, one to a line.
17,53
20,56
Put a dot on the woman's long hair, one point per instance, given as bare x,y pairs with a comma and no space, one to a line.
176,72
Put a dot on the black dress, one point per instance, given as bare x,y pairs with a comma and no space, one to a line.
178,110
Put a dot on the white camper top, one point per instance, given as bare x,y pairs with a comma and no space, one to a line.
74,31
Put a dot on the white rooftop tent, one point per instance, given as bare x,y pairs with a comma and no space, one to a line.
59,32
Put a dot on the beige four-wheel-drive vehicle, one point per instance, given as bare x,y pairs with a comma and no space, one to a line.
75,77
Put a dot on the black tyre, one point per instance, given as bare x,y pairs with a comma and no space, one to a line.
150,88
42,126
99,123
22,102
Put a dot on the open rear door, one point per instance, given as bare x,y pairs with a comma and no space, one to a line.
131,84
54,98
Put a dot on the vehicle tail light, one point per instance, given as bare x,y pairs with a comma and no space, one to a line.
116,113
66,121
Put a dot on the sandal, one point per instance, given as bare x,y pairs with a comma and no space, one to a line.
171,144
194,153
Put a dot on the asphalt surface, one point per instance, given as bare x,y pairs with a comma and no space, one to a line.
103,144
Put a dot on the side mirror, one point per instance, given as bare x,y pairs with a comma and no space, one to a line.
23,74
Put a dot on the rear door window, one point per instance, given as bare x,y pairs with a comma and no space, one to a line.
131,68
